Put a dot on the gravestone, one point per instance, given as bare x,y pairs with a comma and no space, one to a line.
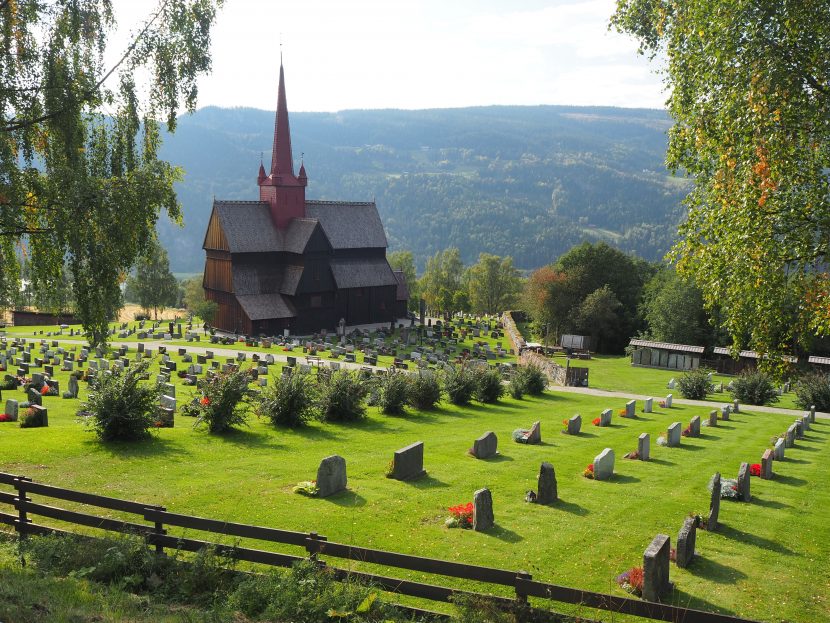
694,425
656,568
805,423
766,464
643,447
648,405
724,413
535,434
546,484
408,462
673,435
668,401
73,387
631,408
604,465
812,413
778,451
736,408
605,418
574,424
789,438
713,417
331,476
744,493
486,446
167,402
686,542
670,384
34,397
482,510
12,409
714,503
799,430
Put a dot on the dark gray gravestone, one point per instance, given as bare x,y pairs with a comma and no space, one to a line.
812,413
605,418
11,409
686,542
547,485
724,413
486,446
713,417
714,503
694,425
743,483
656,568
331,476
574,424
644,447
799,429
789,438
408,463
34,397
483,510
766,464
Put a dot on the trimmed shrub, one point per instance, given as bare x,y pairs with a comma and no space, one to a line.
488,384
754,388
459,384
393,393
424,390
290,401
341,397
516,387
222,405
121,407
694,384
813,389
531,379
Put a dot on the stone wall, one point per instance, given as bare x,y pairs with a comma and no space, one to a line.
555,373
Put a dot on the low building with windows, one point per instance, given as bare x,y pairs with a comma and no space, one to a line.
665,355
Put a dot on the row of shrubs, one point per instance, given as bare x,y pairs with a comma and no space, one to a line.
122,407
756,388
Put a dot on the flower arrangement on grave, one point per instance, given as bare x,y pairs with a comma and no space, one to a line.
632,455
755,469
729,488
596,421
687,431
5,417
461,516
32,418
662,404
588,472
307,487
622,412
662,440
632,581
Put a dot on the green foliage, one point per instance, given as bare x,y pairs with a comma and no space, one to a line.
813,389
393,393
516,387
82,183
32,418
423,390
754,388
598,316
289,401
222,404
342,397
459,384
404,261
493,284
441,282
531,379
122,408
694,384
153,285
195,302
488,386
755,237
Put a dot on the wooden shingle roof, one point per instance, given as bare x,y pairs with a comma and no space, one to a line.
348,225
685,348
363,273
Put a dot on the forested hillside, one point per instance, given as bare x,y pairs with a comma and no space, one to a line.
529,182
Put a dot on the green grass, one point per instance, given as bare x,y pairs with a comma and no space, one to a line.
769,562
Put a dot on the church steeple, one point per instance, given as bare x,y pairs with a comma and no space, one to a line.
281,189
281,161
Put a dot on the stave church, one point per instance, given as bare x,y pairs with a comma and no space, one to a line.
287,262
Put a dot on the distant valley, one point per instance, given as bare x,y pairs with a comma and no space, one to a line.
529,182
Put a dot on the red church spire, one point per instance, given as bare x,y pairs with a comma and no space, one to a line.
281,161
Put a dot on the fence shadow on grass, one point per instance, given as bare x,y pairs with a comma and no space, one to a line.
739,535
714,571
249,439
683,599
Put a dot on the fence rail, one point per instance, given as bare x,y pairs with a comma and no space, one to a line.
155,534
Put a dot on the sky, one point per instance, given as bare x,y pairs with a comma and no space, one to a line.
414,54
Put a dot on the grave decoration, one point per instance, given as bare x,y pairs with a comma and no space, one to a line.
755,469
461,516
533,435
632,581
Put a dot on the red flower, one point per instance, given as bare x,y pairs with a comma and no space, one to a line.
590,467
463,513
205,401
596,421
5,418
755,469
44,390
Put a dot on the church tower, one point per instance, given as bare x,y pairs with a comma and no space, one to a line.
281,189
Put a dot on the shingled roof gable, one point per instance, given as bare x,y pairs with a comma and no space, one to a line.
348,225
363,273
265,306
298,233
248,226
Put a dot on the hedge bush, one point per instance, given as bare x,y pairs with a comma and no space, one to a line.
459,384
342,396
223,402
694,384
813,389
121,407
424,390
290,401
488,384
531,379
754,388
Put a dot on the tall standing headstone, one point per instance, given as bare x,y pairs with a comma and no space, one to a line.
713,417
686,542
673,435
483,510
486,446
668,401
789,438
331,476
574,424
694,427
743,483
12,409
778,451
714,503
724,413
605,418
547,485
604,465
766,464
631,408
408,462
656,568
648,405
736,407
643,447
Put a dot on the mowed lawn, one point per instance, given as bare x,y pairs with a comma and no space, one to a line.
769,560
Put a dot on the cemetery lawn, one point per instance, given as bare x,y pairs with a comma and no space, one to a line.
769,561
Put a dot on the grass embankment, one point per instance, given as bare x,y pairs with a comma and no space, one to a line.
769,561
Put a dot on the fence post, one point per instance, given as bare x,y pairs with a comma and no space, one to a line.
159,529
313,548
22,518
521,597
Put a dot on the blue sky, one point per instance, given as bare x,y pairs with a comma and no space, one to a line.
343,54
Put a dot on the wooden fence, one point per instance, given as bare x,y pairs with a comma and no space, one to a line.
157,519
